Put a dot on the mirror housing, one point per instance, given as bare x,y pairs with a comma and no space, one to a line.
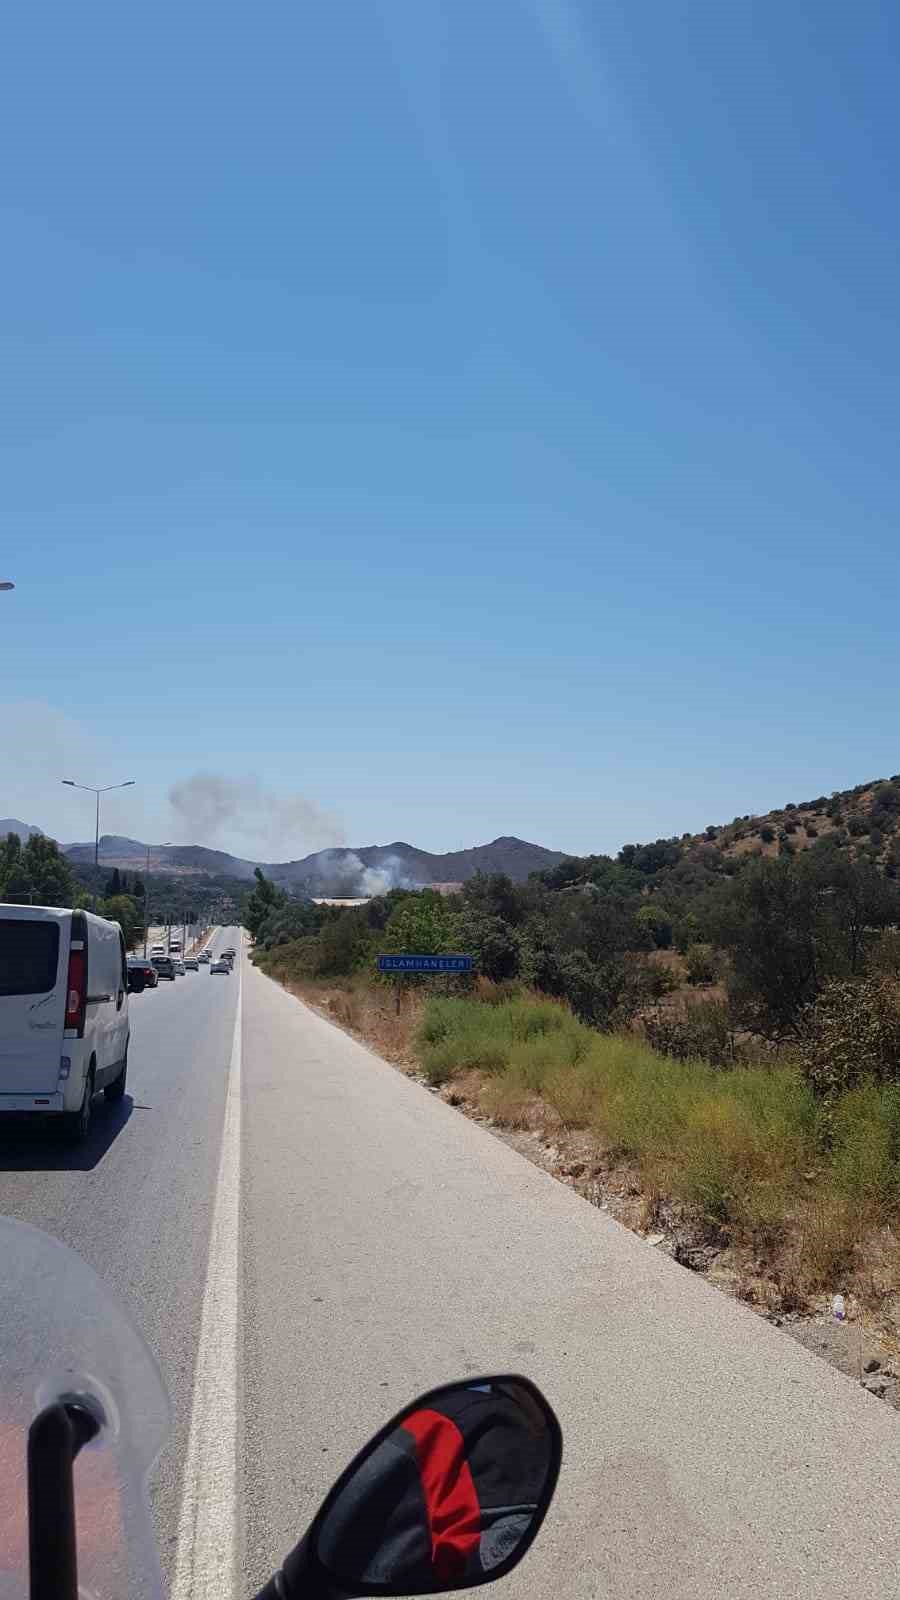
449,1494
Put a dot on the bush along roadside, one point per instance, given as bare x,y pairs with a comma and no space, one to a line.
797,1193
782,1195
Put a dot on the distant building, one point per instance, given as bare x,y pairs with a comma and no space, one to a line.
340,900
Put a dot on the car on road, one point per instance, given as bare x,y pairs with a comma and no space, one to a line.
165,967
178,964
64,1025
142,973
157,950
175,947
220,966
204,956
191,964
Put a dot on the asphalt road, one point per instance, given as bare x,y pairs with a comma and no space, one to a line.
390,1244
136,1199
386,1244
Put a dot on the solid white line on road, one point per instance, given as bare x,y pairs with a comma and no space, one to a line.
206,1554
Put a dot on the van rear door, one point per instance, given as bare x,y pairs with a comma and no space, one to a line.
34,954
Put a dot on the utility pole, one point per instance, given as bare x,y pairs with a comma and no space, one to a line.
147,902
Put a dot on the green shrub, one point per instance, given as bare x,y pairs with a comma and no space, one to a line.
702,1029
486,1037
700,962
852,1033
439,1061
437,1022
655,924
651,980
865,1146
767,833
732,1144
535,1059
857,826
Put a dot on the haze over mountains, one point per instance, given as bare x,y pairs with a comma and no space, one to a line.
370,870
864,820
14,825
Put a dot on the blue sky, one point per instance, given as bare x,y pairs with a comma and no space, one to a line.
472,418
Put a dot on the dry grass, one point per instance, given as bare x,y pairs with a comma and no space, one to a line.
368,1012
569,1089
739,1151
508,1100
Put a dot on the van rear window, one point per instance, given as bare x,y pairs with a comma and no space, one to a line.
29,956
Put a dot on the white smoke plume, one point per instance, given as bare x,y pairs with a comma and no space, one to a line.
274,826
341,872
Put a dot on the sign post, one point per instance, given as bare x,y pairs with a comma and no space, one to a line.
425,965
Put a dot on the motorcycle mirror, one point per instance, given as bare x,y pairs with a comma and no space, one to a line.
449,1494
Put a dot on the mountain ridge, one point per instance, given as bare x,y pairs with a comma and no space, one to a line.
16,825
370,869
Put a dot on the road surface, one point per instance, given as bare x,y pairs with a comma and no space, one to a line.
136,1199
387,1243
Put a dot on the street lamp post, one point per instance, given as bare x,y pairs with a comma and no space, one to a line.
147,903
89,789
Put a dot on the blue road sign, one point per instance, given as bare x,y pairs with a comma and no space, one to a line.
426,963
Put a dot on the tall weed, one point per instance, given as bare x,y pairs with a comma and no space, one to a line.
733,1144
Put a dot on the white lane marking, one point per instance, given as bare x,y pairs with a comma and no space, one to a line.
207,1526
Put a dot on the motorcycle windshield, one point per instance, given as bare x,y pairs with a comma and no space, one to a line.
62,1334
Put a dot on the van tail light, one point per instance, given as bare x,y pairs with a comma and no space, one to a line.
76,990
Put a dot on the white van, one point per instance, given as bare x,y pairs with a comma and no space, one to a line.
63,1013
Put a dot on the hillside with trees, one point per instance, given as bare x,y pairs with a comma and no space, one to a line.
863,821
35,871
716,944
704,1031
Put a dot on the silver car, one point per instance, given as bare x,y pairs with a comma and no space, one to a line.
220,966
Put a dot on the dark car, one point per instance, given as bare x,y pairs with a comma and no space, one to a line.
165,967
141,974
